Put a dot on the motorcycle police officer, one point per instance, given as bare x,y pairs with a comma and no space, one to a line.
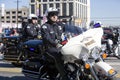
51,33
32,28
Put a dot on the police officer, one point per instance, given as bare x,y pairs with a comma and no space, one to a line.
51,35
32,28
115,36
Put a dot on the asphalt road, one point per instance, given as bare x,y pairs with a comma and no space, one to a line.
115,63
9,72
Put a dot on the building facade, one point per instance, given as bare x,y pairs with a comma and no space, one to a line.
14,19
79,10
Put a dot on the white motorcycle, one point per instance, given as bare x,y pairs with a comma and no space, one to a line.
83,50
82,60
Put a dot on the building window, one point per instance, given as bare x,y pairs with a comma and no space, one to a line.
13,16
51,5
19,16
24,13
57,5
57,0
39,0
7,12
33,9
13,21
70,9
50,0
13,12
19,11
8,17
2,17
44,8
64,9
39,9
44,0
32,0
8,21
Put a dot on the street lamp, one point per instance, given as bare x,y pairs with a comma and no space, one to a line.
17,11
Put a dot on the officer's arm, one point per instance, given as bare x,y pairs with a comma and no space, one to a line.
46,36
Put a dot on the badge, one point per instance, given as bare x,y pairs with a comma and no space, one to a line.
60,28
28,26
44,27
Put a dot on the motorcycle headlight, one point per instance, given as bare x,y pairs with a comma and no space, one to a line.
112,72
95,53
85,57
104,55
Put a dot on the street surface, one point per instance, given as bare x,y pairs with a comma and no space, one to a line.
9,72
115,63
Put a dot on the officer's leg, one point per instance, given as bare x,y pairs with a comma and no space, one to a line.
58,62
108,47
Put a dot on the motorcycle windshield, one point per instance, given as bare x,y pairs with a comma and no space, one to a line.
74,30
81,45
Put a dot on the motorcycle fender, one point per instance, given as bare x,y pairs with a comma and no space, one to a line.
102,67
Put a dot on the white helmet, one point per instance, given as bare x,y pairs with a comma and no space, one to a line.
32,16
52,10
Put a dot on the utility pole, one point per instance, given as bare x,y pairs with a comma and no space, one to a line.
0,15
17,11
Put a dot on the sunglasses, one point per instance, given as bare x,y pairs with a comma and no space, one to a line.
34,18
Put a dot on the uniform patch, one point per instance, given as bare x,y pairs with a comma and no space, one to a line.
60,28
44,27
28,26
52,32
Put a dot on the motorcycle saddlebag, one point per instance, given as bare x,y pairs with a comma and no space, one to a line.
33,46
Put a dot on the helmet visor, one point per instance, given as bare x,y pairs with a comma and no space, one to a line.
53,14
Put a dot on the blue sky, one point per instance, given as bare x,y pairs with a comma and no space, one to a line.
106,11
13,3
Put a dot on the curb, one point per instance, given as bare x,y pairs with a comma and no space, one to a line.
13,70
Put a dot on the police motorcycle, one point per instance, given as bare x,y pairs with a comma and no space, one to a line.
85,48
81,60
11,47
107,43
34,53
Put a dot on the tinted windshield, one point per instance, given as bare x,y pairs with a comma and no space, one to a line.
74,30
